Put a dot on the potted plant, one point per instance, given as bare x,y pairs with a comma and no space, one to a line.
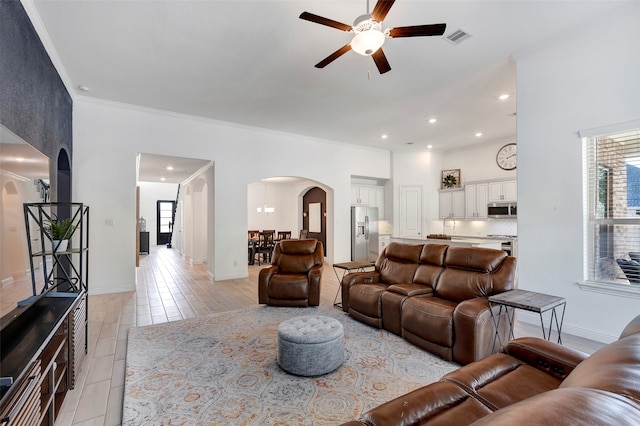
59,231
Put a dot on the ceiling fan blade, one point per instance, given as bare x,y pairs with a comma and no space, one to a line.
335,55
381,9
324,21
381,61
418,30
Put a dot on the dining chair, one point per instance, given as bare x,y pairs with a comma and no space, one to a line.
265,246
283,235
303,234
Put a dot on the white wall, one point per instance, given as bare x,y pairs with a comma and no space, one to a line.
590,79
283,197
150,193
108,136
14,252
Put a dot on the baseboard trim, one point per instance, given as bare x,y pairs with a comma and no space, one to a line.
533,319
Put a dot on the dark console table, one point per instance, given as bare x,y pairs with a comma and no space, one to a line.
144,242
528,301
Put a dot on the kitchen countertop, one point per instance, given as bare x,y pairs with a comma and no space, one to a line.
454,239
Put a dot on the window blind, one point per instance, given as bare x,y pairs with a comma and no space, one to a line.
612,207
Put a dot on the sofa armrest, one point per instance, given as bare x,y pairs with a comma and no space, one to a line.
355,278
554,359
442,400
263,282
314,276
475,330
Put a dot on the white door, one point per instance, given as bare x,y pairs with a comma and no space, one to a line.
410,211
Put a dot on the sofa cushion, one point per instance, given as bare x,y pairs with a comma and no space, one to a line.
613,368
439,403
498,380
431,262
365,299
409,289
297,256
467,273
430,319
398,262
288,287
568,406
298,246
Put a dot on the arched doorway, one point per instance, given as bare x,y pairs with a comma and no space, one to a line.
314,214
63,179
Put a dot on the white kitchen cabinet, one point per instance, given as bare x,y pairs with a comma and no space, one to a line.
360,195
506,190
452,204
372,196
476,198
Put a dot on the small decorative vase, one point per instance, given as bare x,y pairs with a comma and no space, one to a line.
60,245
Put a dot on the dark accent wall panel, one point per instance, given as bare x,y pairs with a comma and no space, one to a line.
34,103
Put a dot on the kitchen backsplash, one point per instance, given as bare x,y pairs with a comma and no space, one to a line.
477,227
385,227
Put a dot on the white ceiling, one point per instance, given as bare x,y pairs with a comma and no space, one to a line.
252,62
162,168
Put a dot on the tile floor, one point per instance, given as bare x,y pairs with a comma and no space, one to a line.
168,288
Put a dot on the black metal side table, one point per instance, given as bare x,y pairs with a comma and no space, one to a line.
528,301
348,267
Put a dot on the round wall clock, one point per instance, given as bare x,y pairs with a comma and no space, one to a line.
506,157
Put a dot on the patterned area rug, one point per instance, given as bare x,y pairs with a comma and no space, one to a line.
222,370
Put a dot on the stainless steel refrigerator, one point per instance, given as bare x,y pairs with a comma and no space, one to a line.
364,233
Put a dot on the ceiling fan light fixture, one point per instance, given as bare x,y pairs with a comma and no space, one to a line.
367,42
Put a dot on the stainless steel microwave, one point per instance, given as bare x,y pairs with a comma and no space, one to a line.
502,210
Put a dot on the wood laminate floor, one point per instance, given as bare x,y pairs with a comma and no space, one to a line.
169,288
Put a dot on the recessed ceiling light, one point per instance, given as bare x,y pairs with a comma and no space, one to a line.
83,88
169,168
384,136
478,134
409,143
503,97
162,179
433,120
19,159
429,146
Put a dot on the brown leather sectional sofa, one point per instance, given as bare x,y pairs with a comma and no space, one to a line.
435,296
531,382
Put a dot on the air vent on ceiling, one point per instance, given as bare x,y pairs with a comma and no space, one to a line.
458,36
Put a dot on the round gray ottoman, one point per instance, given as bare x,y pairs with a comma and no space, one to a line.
310,345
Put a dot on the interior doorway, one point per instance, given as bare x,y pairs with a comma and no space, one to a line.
314,214
165,210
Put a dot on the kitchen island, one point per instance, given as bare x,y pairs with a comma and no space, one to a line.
455,241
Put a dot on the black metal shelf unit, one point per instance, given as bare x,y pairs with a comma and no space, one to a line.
63,270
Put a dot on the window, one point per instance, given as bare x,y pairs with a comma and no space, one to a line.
612,208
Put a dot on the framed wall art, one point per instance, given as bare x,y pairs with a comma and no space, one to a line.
450,179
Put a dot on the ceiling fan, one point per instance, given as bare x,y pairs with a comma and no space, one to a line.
369,36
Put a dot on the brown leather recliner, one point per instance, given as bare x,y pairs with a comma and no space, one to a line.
294,277
532,381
